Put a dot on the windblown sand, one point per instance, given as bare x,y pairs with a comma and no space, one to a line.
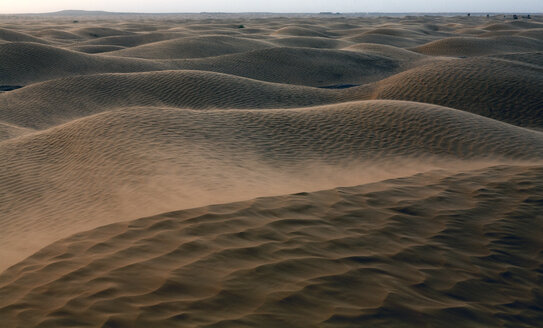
314,171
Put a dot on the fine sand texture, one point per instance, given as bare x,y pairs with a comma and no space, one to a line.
260,170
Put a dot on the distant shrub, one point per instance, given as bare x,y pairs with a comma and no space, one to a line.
241,26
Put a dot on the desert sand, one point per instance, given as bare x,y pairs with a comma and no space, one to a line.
271,171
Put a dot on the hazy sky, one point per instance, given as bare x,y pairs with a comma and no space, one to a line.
34,6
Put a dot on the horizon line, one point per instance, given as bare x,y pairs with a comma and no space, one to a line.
271,12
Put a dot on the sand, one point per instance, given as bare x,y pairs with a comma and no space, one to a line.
270,171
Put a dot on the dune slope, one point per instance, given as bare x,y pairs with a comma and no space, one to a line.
304,66
45,104
430,249
141,161
508,91
26,62
14,36
193,47
472,46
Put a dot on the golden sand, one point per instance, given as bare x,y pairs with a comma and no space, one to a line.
314,171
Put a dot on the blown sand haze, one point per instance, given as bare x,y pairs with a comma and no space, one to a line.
262,171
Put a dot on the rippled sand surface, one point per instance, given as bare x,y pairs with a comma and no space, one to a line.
314,171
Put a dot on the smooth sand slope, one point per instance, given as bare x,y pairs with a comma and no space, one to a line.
400,157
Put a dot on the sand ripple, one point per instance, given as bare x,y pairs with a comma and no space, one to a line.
432,249
400,159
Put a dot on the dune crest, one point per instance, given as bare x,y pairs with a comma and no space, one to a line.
382,254
131,162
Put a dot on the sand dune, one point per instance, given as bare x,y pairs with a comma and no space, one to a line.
25,63
391,40
400,157
399,54
289,65
110,165
469,46
533,58
135,39
310,42
431,249
499,27
394,36
8,131
99,32
522,24
96,49
401,32
471,31
445,83
14,36
194,47
299,31
299,66
532,33
56,35
504,90
46,104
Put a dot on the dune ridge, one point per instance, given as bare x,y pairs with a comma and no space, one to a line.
14,36
193,47
472,85
473,46
8,131
279,64
25,62
97,163
297,66
46,104
351,253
